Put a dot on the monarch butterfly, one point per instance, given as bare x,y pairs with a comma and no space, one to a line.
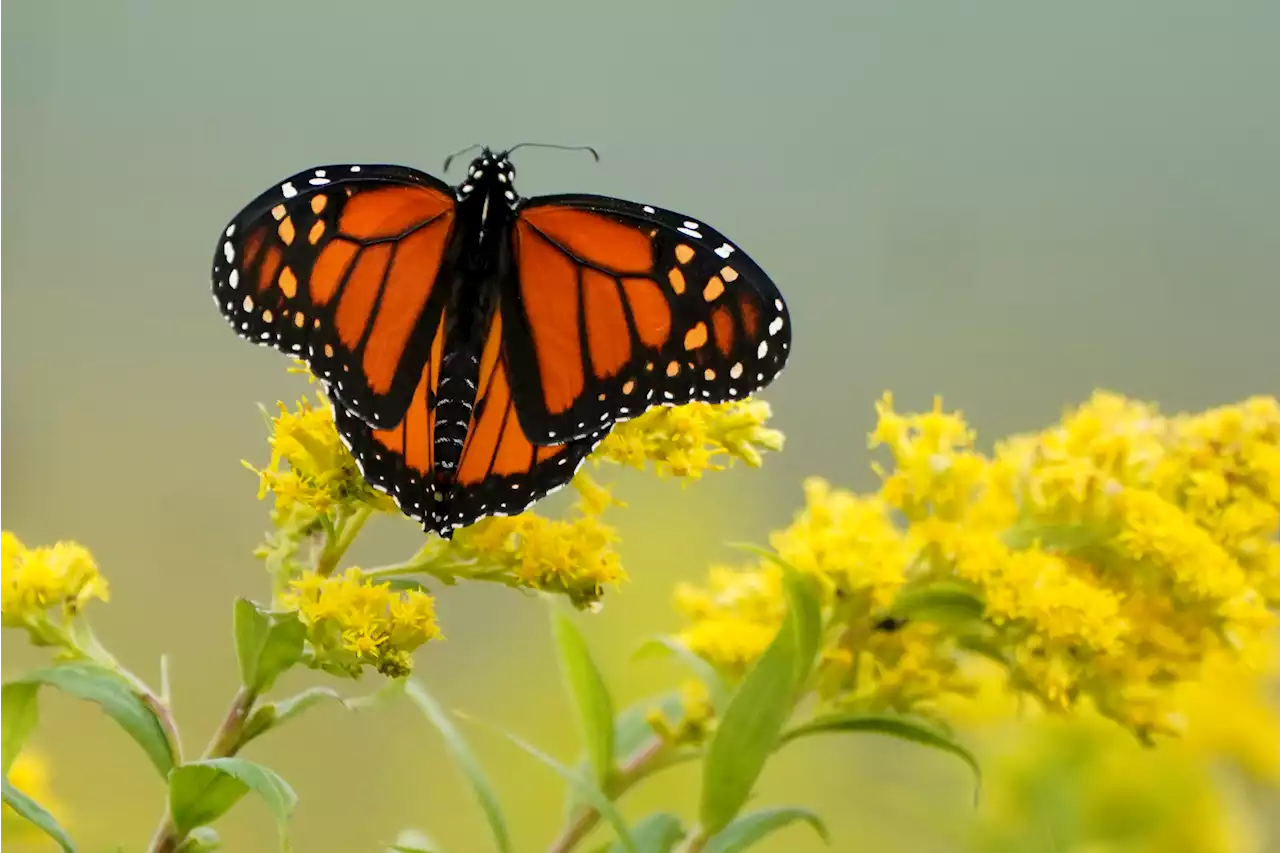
477,345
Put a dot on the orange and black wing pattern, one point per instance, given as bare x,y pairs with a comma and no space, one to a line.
447,482
613,307
339,265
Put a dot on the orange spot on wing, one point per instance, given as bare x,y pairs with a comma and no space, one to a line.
270,263
390,211
329,269
361,292
316,232
318,202
696,336
684,253
549,292
409,282
714,288
286,231
277,212
650,310
676,278
594,237
722,328
288,283
607,335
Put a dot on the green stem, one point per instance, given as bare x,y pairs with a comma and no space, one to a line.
338,539
642,762
226,741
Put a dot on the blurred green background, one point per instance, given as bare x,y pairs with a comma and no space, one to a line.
1007,203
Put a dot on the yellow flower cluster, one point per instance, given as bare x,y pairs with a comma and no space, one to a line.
319,473
353,623
685,441
574,557
34,581
1103,560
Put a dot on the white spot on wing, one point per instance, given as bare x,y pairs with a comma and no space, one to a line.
231,229
288,190
318,182
228,251
725,251
775,326
762,350
690,232
648,209
355,168
234,279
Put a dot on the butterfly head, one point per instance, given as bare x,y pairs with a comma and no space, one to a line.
491,174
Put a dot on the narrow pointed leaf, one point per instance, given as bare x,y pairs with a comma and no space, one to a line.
465,761
200,792
117,698
903,728
18,715
939,602
585,789
36,813
590,696
805,609
749,829
751,724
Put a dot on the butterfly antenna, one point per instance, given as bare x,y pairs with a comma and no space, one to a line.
457,154
593,152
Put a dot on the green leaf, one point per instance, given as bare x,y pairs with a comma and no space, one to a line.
590,695
200,792
717,690
1056,537
658,833
465,760
805,609
939,602
266,644
585,789
97,684
903,728
746,831
34,812
749,728
273,714
18,715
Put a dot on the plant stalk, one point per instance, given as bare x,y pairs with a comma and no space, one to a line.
632,771
226,741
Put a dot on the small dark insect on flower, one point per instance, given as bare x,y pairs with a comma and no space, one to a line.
890,624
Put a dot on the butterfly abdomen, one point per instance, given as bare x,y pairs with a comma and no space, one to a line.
455,401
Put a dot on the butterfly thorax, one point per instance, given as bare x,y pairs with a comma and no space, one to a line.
479,258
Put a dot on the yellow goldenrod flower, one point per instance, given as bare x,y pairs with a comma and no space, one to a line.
320,473
573,557
36,581
685,441
353,623
1109,555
